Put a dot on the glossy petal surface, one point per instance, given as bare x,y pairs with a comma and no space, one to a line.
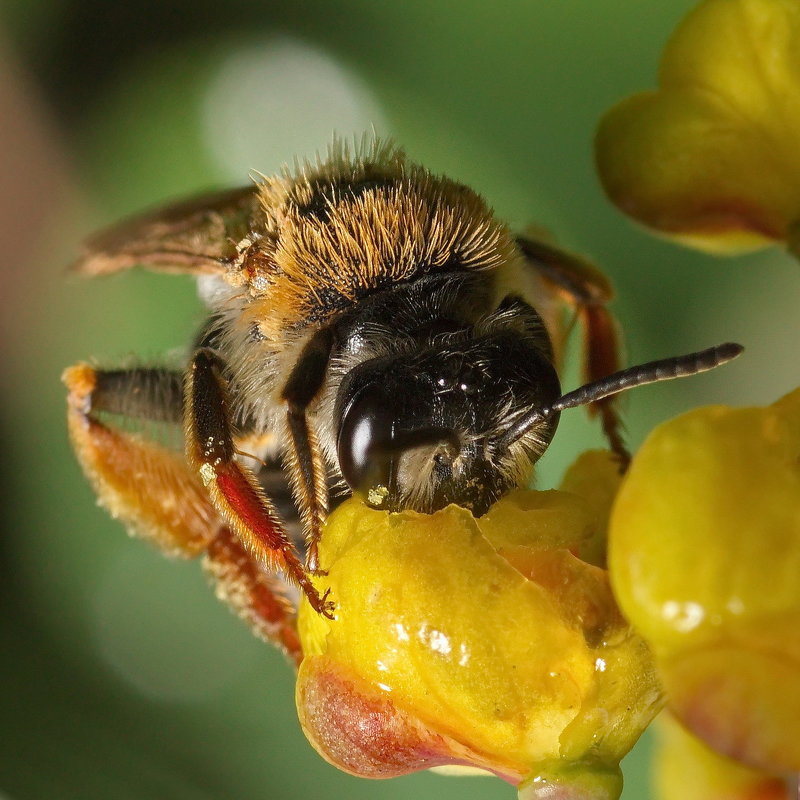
705,556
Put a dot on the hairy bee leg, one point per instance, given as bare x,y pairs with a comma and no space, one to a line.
144,485
309,482
152,491
233,489
581,285
257,598
306,466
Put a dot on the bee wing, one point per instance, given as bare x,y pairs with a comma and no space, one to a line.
195,236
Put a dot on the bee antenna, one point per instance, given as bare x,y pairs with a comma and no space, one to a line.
652,372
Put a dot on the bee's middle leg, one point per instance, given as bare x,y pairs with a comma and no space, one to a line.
233,488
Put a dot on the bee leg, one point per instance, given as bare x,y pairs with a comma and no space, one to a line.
256,597
581,285
152,491
143,484
306,465
232,487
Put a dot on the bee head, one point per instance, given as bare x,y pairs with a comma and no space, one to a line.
419,429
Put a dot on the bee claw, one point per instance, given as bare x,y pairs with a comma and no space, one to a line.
623,459
327,607
322,605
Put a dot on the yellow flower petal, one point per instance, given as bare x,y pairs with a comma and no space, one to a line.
595,477
477,642
705,557
711,157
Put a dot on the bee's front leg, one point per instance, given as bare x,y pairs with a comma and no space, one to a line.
232,487
306,466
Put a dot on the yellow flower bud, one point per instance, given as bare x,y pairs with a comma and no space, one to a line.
686,769
705,558
711,157
484,643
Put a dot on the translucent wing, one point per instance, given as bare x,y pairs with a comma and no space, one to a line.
196,236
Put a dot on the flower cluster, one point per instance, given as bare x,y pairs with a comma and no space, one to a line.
498,643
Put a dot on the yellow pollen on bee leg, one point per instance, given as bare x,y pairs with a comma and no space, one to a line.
207,474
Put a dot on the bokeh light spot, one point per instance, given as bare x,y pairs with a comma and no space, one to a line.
281,98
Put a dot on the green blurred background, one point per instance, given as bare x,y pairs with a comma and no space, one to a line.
122,677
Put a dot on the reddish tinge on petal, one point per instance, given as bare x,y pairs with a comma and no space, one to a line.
687,769
359,729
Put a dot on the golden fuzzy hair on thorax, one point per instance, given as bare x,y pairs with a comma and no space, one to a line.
362,220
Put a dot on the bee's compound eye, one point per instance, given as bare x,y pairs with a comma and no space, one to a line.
364,435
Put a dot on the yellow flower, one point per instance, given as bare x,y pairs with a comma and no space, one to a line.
705,558
485,643
711,157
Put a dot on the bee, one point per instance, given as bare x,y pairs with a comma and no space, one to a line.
372,328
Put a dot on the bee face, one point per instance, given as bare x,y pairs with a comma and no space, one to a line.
420,429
